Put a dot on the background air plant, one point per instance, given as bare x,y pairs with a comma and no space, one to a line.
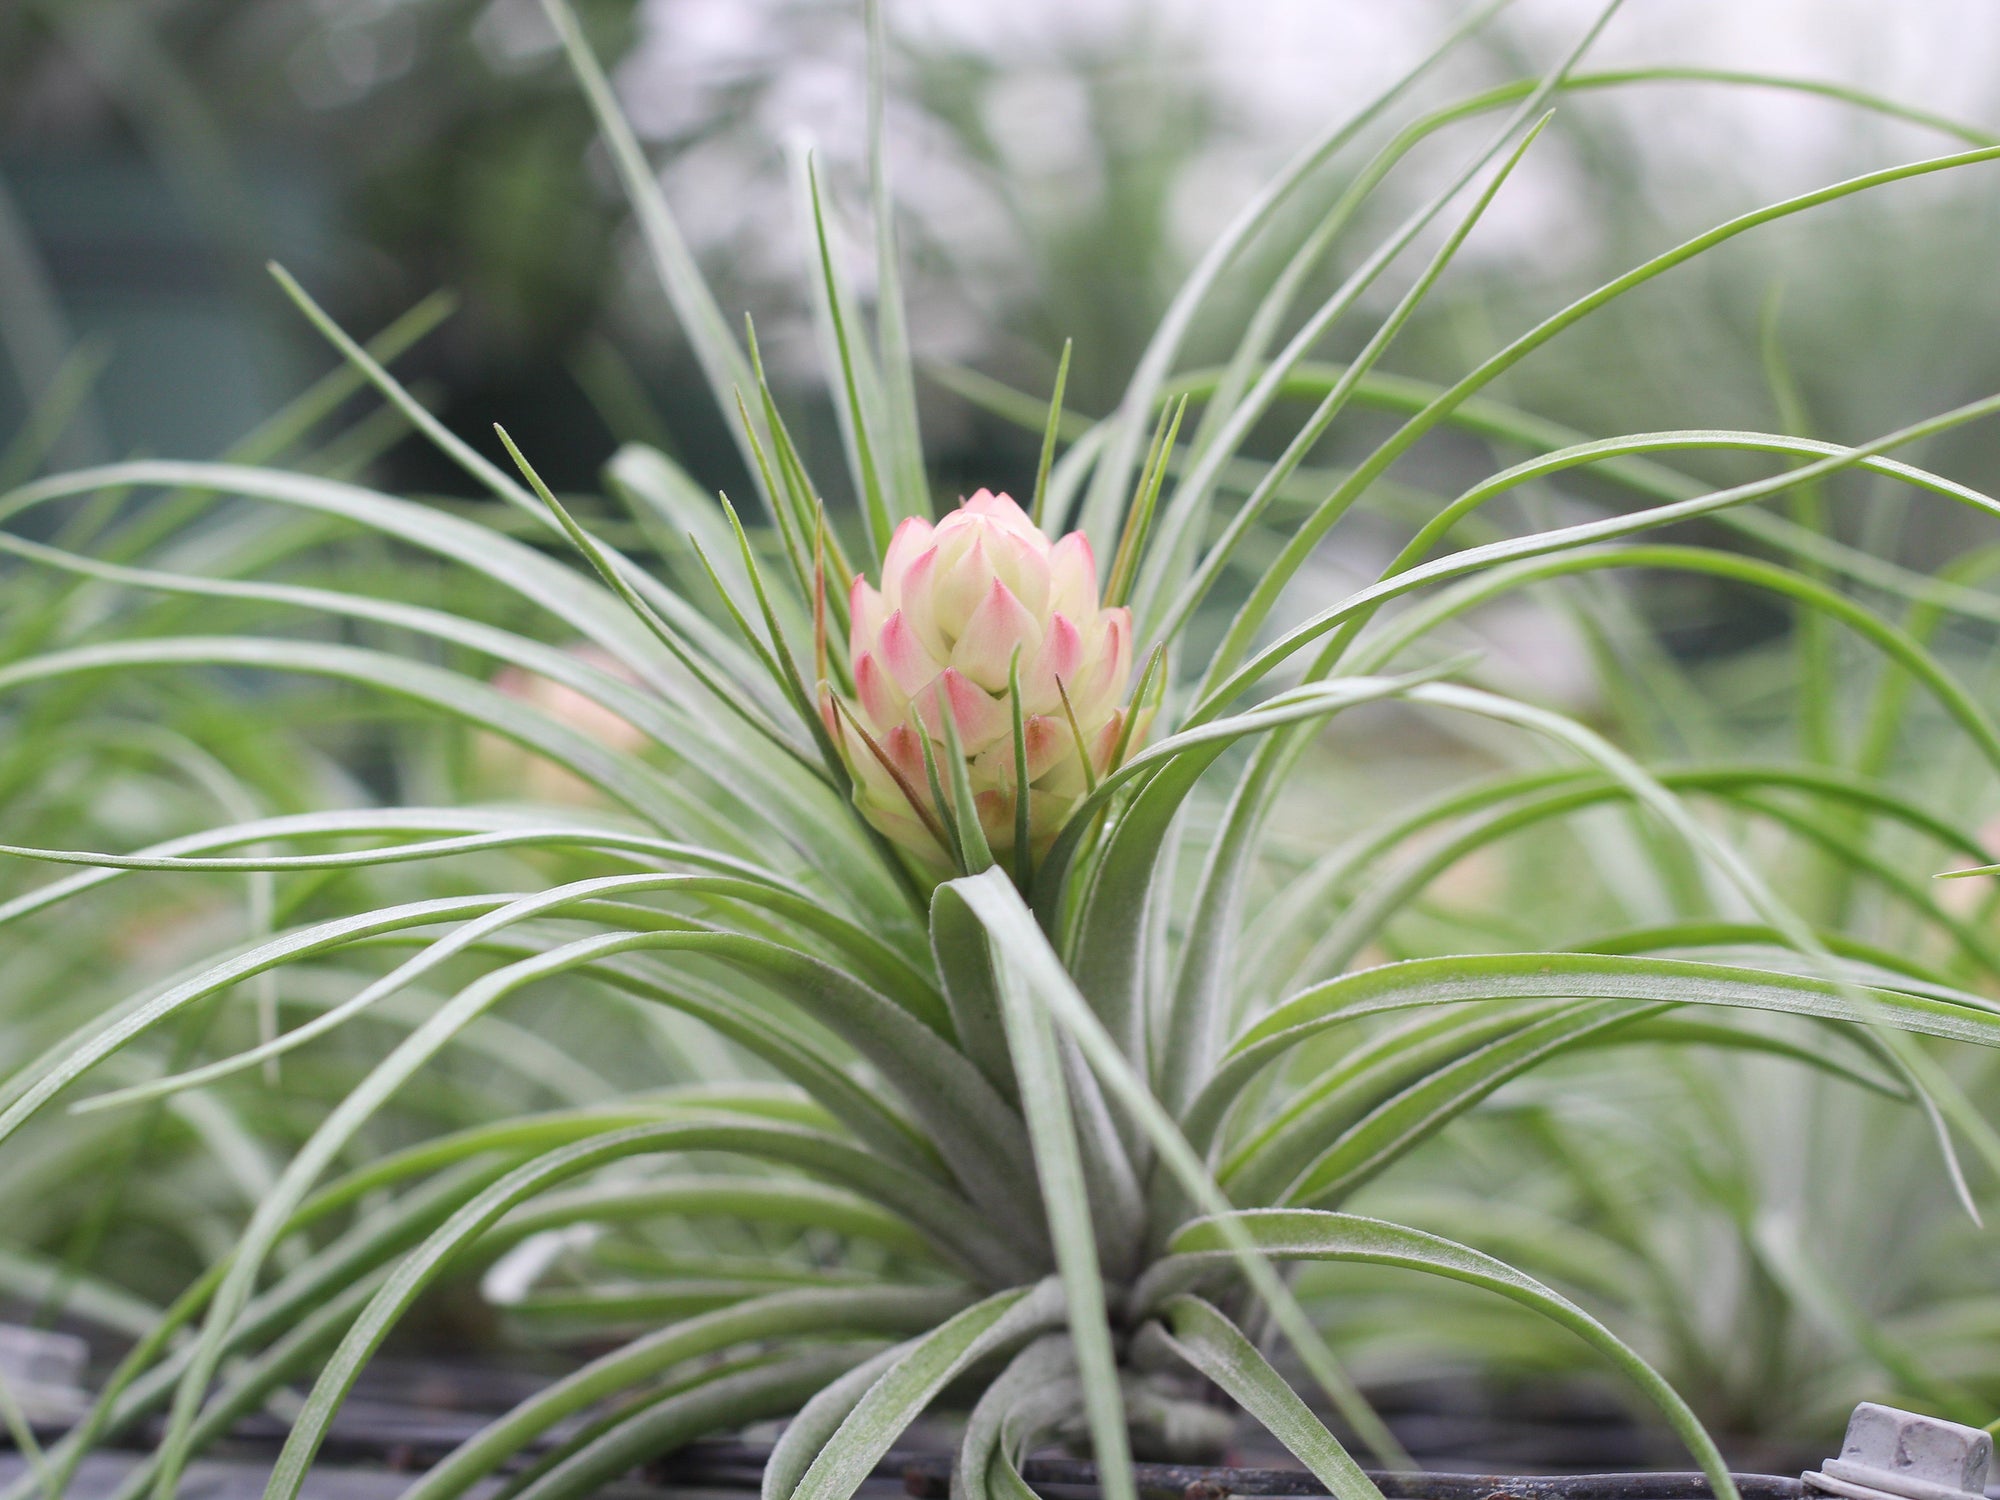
1750,1224
1056,1119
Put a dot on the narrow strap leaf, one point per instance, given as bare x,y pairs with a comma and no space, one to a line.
853,401
1158,358
1012,925
1024,854
1298,1234
975,853
1044,1362
809,1431
899,394
1201,1335
719,1401
1420,982
473,1219
1038,509
1073,1230
909,1382
694,305
1139,519
900,1310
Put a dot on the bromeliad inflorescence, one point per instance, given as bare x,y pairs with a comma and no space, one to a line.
972,611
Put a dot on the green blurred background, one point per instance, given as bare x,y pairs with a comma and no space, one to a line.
1060,167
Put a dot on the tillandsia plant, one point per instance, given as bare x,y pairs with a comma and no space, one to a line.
1752,1221
940,820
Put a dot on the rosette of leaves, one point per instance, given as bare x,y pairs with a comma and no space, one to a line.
1064,1120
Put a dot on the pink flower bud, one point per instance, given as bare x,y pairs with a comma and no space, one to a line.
963,605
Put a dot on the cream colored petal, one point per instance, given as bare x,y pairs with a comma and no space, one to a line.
1073,577
912,538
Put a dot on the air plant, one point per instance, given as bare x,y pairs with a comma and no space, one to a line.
1752,1226
1023,1101
107,1213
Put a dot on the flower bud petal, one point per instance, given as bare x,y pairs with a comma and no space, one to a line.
979,718
1107,661
1022,566
1003,510
1000,626
882,703
907,753
960,603
912,538
910,666
866,610
1104,744
1058,661
1049,744
962,584
996,815
918,603
1073,577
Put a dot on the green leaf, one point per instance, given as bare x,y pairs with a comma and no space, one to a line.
1297,1234
1571,976
1075,1230
32,1278
857,396
1205,989
1012,929
1395,1127
1686,1031
1139,518
1168,334
857,1168
794,1202
1225,680
1107,946
921,1001
995,1418
1207,1340
1310,898
133,1389
1039,507
958,948
701,320
720,1400
770,786
474,1218
974,852
413,411
809,1431
651,484
613,569
899,394
63,407
1898,644
905,1385
251,1383
783,1315
1190,505
1318,1109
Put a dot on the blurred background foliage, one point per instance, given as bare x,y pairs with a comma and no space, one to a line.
1059,171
